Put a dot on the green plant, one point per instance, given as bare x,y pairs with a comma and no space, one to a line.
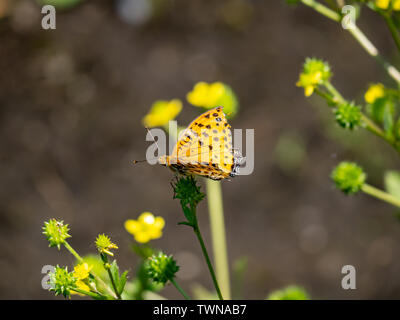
379,113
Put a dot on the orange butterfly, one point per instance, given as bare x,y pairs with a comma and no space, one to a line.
205,148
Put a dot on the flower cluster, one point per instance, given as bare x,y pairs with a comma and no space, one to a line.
162,112
161,268
315,72
56,232
211,95
348,115
348,177
104,244
61,281
147,227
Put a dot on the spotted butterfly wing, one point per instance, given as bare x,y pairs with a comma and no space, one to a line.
205,148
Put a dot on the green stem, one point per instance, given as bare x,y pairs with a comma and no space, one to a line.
393,30
382,195
358,35
80,260
327,12
216,213
369,124
90,294
73,252
178,287
208,261
337,97
107,267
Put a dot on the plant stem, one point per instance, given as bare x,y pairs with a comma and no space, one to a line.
327,12
178,287
393,30
218,235
80,260
358,35
208,261
369,124
113,284
90,294
382,195
337,97
73,252
107,267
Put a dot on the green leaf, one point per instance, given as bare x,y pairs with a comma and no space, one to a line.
122,282
185,223
388,121
392,182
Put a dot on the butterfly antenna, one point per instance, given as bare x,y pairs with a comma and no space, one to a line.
138,161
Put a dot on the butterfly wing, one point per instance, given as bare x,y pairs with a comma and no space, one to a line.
205,147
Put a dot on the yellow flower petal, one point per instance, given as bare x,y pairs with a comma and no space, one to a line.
396,5
374,92
142,237
308,91
82,270
162,112
132,226
81,285
382,4
159,222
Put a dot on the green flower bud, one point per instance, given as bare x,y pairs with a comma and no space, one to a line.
348,177
348,115
289,293
104,244
56,232
186,190
161,268
62,281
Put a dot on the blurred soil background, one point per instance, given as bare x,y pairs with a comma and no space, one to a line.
71,104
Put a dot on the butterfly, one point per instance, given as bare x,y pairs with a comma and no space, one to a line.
205,148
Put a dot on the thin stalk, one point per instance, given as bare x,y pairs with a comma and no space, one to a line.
218,235
178,287
80,260
113,284
358,35
208,261
369,124
393,30
107,267
90,294
382,195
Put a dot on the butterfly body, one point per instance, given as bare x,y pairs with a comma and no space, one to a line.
205,148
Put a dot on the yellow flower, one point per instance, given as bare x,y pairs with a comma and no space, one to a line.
206,95
309,82
146,227
211,95
81,285
104,244
382,4
315,72
82,270
374,92
396,5
161,112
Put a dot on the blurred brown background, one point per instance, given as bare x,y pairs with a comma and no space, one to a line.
71,103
